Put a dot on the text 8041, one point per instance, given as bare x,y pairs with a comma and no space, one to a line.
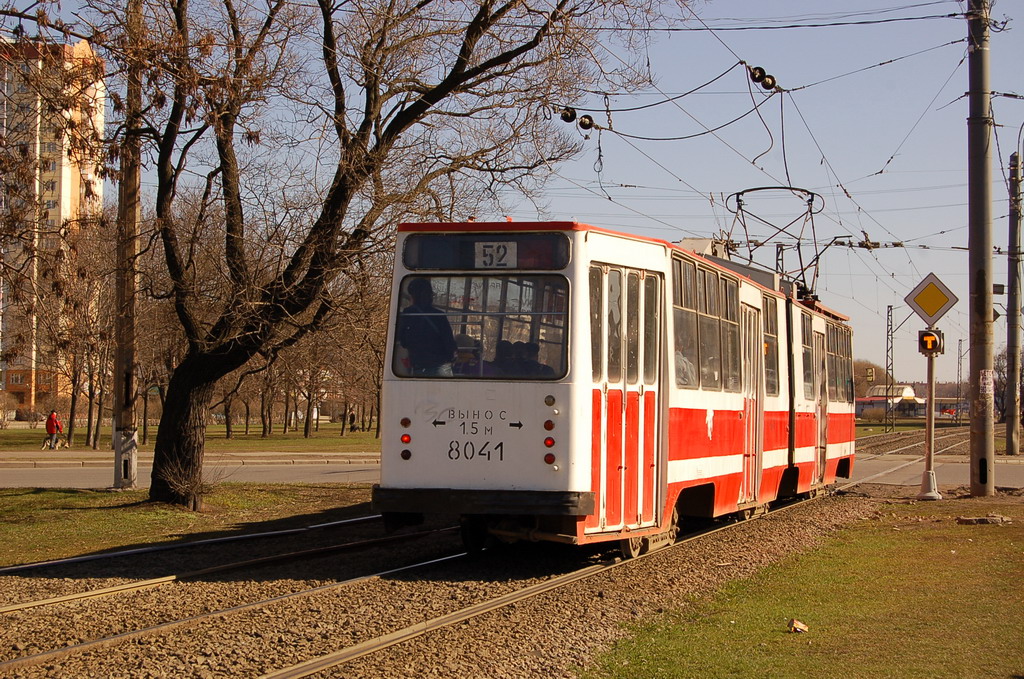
471,450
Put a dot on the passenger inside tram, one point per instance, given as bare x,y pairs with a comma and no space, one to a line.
468,361
425,332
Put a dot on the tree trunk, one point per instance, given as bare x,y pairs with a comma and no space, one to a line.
248,415
88,413
287,411
99,419
227,416
181,438
266,405
376,431
145,415
72,410
307,426
344,417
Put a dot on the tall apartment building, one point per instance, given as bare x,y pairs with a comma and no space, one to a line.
51,111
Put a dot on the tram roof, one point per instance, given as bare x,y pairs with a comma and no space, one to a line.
569,225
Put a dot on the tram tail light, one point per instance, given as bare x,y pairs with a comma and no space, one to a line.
406,454
406,439
549,458
549,425
549,442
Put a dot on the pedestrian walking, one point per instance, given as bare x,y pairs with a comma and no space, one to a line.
53,428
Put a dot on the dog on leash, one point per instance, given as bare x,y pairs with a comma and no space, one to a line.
62,442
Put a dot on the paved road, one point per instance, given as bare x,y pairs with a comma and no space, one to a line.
94,469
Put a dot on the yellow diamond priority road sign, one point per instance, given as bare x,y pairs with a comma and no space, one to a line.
931,299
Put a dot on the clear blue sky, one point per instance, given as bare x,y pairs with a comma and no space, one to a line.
884,145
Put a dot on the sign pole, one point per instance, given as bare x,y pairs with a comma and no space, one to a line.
929,491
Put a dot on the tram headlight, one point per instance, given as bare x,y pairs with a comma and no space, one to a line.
549,400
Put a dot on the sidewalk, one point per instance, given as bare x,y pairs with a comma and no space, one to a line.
63,458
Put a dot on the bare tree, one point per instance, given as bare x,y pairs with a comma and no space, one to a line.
308,130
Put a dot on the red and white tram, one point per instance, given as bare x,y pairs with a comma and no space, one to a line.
559,381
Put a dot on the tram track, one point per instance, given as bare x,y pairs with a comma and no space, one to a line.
212,570
868,445
187,544
52,656
345,655
57,654
415,605
370,646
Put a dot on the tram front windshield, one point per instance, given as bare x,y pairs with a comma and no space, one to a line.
488,327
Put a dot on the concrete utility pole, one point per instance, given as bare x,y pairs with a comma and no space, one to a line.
126,442
979,245
1013,315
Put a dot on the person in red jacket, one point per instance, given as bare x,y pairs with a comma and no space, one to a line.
53,427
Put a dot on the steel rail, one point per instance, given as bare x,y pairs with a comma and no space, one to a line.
918,443
370,646
181,545
162,628
237,565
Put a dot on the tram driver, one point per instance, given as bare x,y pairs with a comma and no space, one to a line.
425,332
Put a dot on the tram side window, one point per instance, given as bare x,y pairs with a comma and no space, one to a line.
708,330
652,323
614,326
770,313
806,339
840,383
684,318
850,397
730,335
633,329
596,322
508,326
830,361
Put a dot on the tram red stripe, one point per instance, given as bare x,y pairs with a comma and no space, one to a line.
841,427
595,459
806,430
650,403
613,462
631,509
776,430
688,433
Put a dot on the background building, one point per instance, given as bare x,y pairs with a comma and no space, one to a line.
51,124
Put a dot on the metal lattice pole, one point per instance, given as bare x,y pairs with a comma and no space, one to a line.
890,386
959,381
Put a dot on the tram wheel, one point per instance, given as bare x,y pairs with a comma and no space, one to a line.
676,529
632,547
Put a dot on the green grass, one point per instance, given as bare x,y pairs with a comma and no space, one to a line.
327,439
915,424
39,524
912,596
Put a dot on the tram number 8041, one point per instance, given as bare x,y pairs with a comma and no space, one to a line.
468,450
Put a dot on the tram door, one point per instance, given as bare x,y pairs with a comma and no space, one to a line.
626,318
753,403
820,407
